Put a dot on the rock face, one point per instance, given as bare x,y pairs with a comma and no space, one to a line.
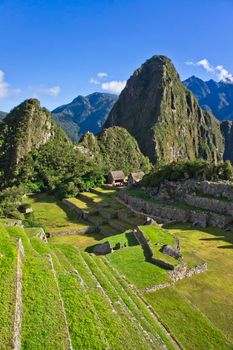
227,131
215,97
84,114
164,116
26,127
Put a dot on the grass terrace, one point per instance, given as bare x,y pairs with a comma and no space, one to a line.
52,215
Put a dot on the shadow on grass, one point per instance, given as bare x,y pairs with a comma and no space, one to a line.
220,235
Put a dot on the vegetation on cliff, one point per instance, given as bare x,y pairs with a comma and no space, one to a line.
115,149
164,117
184,169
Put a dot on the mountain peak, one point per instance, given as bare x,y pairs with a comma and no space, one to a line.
157,110
84,113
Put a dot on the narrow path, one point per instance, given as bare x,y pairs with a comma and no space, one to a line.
82,283
62,304
18,302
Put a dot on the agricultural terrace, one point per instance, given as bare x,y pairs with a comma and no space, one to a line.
98,302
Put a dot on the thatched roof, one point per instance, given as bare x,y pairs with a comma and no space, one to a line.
117,175
136,176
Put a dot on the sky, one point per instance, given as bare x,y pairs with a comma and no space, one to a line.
55,50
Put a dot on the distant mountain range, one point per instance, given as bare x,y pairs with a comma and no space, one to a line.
215,97
84,113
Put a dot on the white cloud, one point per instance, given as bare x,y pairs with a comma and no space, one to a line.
114,86
94,81
54,90
223,74
43,90
5,89
102,75
206,65
220,72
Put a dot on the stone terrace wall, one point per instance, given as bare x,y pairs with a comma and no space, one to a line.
217,189
176,214
211,204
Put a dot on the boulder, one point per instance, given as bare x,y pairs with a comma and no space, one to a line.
102,249
117,246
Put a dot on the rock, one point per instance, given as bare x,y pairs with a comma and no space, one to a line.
117,246
102,249
149,221
199,224
171,251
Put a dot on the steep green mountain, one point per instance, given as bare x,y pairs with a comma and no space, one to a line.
115,149
2,115
25,128
35,152
164,116
84,114
215,97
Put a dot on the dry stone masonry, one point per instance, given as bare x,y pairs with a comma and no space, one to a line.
201,203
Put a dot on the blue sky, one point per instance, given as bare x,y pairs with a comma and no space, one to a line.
54,49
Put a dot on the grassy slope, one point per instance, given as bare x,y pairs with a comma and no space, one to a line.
52,214
7,288
187,323
212,291
131,259
117,325
43,324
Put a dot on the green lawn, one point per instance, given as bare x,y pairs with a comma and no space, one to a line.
211,291
130,261
52,215
188,324
79,240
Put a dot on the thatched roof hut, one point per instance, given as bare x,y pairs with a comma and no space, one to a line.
135,177
116,177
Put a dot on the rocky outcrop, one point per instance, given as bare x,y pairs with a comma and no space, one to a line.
26,127
227,131
164,116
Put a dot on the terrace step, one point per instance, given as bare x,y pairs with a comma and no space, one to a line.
97,220
107,230
130,217
116,325
120,225
132,301
78,306
128,317
108,213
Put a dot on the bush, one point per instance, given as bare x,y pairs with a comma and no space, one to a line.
186,169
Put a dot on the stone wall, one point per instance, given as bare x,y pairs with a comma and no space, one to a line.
217,189
81,231
166,212
212,204
179,273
